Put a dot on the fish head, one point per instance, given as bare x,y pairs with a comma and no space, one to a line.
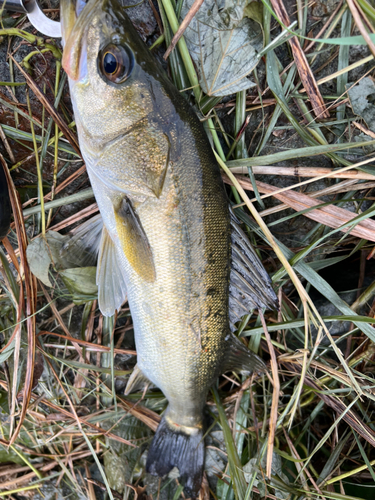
110,71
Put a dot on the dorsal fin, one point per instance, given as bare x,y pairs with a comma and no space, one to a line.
250,287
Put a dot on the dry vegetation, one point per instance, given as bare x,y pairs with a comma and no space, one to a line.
297,155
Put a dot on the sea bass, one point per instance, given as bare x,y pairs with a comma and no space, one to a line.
169,242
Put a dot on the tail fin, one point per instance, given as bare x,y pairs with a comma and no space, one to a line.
172,447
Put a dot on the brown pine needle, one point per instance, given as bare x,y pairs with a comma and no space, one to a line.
304,70
296,171
30,296
364,130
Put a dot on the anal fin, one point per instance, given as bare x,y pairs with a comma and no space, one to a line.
240,359
109,277
137,381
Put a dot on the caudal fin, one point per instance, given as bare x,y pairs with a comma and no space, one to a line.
172,447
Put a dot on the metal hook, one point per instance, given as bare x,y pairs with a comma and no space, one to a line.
36,16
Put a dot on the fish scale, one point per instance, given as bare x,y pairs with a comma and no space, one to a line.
178,238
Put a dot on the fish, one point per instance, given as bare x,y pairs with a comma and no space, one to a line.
5,211
169,243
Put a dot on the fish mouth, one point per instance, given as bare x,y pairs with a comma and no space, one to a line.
76,17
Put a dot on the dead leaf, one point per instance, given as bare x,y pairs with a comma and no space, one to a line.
81,283
116,468
254,10
77,249
44,251
39,259
361,98
224,44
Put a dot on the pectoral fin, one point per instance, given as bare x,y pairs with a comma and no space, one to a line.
240,359
109,277
137,381
134,241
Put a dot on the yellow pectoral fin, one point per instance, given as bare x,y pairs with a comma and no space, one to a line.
134,241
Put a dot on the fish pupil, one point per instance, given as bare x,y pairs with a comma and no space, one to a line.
110,63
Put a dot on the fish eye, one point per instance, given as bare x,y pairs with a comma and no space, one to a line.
116,63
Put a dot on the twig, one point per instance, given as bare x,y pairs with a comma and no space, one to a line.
364,129
306,172
185,23
361,26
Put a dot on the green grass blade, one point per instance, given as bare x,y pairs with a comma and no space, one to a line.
237,475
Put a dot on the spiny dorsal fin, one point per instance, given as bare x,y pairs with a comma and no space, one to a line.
250,286
134,241
109,278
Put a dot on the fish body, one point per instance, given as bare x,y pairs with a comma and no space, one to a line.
166,241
